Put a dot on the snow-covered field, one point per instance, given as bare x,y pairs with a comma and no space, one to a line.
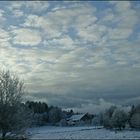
51,132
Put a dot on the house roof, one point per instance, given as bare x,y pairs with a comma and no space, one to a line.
76,117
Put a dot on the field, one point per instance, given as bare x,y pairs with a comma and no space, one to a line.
51,132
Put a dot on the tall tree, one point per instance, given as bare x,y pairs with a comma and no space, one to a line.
134,119
13,117
107,117
55,115
119,119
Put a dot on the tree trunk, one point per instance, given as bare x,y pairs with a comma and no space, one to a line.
3,135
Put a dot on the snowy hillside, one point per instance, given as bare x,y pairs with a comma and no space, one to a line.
50,132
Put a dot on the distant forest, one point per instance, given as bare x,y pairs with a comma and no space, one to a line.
113,117
42,113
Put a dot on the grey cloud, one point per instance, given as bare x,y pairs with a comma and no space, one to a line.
116,85
78,60
64,101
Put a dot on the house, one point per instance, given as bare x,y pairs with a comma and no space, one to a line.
80,119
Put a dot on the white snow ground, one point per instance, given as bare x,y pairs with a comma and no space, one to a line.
51,132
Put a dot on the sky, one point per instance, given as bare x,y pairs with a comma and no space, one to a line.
82,55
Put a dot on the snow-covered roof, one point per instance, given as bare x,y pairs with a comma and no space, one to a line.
76,117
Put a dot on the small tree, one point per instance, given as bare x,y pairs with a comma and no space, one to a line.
107,117
130,114
97,120
63,122
134,117
13,117
135,120
55,115
119,119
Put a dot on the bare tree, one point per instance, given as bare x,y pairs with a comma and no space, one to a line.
135,120
12,111
119,119
107,117
55,115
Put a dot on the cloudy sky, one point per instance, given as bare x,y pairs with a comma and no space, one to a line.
80,55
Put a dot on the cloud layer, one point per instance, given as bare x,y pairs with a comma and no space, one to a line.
80,55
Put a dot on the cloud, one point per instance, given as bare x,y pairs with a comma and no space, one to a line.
24,36
4,37
18,8
92,33
109,16
83,57
121,33
94,108
37,6
77,104
65,42
18,13
41,22
126,19
51,23
2,15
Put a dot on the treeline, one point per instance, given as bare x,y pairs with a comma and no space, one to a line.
112,118
42,114
119,118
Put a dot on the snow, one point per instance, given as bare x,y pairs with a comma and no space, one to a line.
85,132
76,117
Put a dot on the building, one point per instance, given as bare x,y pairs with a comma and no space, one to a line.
80,119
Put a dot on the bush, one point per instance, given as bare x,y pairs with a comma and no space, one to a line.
63,122
107,117
55,115
119,119
97,120
135,120
14,116
40,119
